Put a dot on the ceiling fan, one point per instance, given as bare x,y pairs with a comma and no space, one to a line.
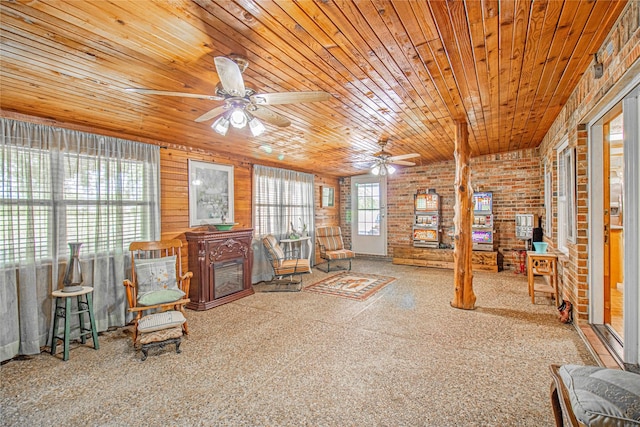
242,105
385,161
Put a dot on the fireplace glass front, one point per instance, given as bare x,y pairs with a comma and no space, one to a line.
228,277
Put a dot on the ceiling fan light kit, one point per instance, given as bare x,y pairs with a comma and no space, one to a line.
221,125
242,105
383,169
383,164
256,127
238,118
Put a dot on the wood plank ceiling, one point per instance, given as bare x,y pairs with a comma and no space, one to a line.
403,70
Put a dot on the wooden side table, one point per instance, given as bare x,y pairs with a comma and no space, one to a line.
63,310
543,264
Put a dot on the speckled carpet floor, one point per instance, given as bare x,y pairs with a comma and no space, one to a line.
403,357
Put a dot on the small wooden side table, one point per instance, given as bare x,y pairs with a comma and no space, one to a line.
543,264
63,310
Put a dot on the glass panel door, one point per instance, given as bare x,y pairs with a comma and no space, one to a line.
369,235
614,222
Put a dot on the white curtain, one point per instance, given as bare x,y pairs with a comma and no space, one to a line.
282,199
60,186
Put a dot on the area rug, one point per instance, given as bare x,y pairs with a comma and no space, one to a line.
358,286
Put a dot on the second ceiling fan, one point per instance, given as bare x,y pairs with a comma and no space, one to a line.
242,105
384,162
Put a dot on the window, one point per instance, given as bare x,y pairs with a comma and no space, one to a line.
99,195
104,197
566,196
282,201
26,208
369,209
59,186
548,205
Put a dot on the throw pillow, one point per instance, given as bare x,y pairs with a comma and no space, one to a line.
601,396
158,321
156,279
160,297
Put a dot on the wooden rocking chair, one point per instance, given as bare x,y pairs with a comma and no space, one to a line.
157,293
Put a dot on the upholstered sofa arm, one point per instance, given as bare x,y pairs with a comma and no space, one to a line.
592,395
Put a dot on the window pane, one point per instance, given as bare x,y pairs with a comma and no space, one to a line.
26,209
569,192
49,197
283,201
369,209
566,196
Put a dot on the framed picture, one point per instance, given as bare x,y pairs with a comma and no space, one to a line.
327,197
210,193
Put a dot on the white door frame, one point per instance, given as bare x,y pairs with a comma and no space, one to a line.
629,96
369,244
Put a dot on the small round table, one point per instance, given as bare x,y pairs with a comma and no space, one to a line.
63,310
290,242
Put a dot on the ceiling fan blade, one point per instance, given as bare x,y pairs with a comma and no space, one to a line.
211,114
402,162
168,93
230,76
404,156
289,97
270,117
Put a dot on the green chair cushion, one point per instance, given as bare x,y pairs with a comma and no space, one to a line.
160,297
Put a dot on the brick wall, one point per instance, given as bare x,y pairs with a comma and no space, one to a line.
618,53
514,178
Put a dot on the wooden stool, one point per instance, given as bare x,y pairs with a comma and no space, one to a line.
544,264
160,339
63,310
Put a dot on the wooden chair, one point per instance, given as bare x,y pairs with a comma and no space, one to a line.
157,293
284,266
331,246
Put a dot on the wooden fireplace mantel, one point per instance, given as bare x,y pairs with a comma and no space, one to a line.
209,250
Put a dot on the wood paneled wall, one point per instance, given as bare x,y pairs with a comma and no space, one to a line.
326,216
174,193
174,186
